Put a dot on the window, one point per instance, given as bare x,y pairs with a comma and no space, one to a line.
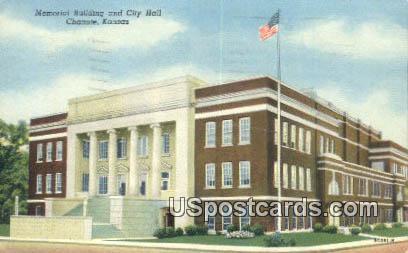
103,184
293,136
301,179
275,136
85,182
210,175
377,165
376,189
245,130
39,152
321,145
388,191
245,220
226,220
85,149
308,180
58,183
362,187
275,174
38,211
388,215
293,177
103,150
49,152
48,183
165,177
244,174
285,131
210,219
166,144
334,186
59,151
333,146
347,185
143,146
301,139
285,176
227,132
227,175
327,146
399,194
122,148
39,183
210,134
308,142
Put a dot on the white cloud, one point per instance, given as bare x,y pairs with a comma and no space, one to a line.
367,40
141,33
53,97
375,110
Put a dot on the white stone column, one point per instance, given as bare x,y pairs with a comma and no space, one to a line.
156,153
112,155
133,170
93,156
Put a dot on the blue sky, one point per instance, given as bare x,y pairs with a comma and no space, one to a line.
353,53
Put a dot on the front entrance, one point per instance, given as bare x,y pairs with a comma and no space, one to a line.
143,184
122,185
169,220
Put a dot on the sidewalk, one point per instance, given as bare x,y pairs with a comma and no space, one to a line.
211,248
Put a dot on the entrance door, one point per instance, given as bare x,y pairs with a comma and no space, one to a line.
169,220
122,185
143,184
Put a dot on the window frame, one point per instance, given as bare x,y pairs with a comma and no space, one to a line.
121,148
224,166
227,132
210,134
39,184
293,177
48,183
58,182
241,167
40,152
163,179
49,153
100,151
166,144
143,146
244,132
208,167
59,156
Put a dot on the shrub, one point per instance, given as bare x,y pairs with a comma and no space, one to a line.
318,227
179,232
276,240
239,235
366,228
246,228
191,230
160,233
257,229
380,226
292,242
355,230
330,229
202,230
397,225
170,232
231,228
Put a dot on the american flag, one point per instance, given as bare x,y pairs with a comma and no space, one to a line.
271,28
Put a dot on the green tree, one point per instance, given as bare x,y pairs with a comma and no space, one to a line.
13,168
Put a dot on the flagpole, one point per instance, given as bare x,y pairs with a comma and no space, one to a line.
279,225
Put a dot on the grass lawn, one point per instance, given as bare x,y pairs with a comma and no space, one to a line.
302,239
391,232
4,230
